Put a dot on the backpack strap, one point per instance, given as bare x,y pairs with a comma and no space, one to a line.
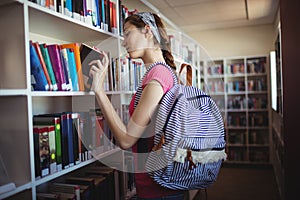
142,144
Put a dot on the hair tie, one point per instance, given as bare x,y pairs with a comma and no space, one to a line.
148,19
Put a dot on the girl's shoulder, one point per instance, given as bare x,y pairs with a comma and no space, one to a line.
161,74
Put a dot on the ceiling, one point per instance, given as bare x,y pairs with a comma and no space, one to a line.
199,15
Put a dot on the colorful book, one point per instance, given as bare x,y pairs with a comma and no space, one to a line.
54,53
72,68
39,53
38,78
76,50
66,68
48,64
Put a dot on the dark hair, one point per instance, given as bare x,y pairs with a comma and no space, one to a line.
165,44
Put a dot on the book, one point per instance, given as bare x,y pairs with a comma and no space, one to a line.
66,68
41,139
55,58
52,149
48,64
90,182
41,58
68,158
75,47
72,68
52,121
38,78
46,196
109,174
101,186
58,188
81,192
88,54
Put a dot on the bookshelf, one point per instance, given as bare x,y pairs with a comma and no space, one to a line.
240,87
19,104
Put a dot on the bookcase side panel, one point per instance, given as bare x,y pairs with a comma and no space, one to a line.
12,56
14,141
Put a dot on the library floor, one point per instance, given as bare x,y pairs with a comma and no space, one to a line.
242,183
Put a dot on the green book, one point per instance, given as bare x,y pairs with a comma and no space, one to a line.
47,60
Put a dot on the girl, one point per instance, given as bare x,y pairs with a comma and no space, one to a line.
145,37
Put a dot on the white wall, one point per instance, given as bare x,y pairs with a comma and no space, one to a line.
234,42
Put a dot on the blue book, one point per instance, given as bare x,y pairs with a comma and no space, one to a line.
39,81
68,132
72,68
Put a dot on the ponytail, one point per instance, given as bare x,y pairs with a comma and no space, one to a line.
165,45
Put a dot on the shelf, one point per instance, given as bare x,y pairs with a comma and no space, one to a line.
16,191
245,105
13,92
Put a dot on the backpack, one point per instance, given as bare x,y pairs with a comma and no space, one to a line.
189,140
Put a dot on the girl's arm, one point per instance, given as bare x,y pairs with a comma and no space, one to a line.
128,135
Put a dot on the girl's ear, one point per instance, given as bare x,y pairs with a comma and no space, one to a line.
148,32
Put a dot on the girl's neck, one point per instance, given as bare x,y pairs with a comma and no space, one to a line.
152,56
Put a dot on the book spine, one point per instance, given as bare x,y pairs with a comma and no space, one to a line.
38,78
75,47
48,64
66,68
73,72
64,141
52,148
39,53
56,62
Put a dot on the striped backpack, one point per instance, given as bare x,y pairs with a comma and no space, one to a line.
189,143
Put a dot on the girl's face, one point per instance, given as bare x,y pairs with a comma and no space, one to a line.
135,41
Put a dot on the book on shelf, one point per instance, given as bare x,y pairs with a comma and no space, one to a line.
56,61
41,58
46,120
87,181
38,78
66,68
110,175
63,188
42,157
76,49
73,70
46,57
88,54
39,147
48,196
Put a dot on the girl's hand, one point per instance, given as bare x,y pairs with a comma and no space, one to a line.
98,73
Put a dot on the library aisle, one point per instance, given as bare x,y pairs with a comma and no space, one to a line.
246,183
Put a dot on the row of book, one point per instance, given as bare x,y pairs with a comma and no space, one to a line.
97,13
64,67
254,66
92,183
182,50
62,140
